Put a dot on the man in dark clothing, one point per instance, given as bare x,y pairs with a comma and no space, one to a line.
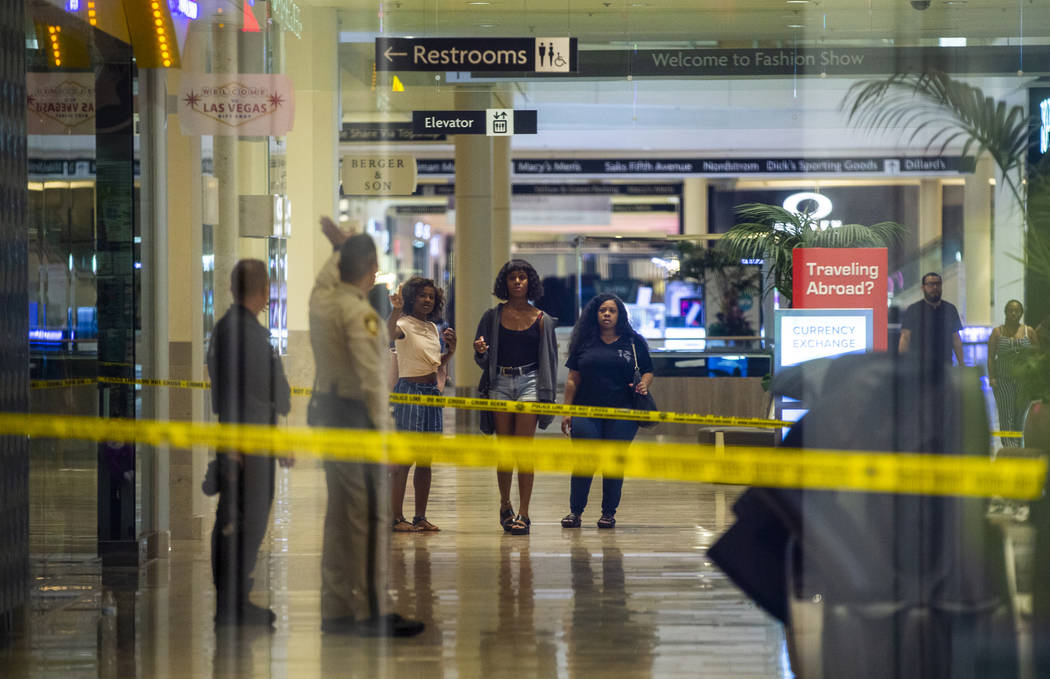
932,326
248,387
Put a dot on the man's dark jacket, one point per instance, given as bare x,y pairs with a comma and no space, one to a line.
248,384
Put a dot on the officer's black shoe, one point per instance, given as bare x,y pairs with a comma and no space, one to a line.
344,624
248,614
392,625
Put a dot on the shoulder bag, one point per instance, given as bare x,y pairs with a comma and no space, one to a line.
641,401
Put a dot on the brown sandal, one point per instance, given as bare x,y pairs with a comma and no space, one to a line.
401,525
421,524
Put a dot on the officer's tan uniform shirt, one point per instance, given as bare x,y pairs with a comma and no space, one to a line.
350,344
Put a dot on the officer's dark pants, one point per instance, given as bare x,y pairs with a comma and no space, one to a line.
245,496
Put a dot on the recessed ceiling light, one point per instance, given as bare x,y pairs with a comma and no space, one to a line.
479,2
796,25
798,2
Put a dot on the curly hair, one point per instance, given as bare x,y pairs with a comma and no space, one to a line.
535,290
410,290
586,330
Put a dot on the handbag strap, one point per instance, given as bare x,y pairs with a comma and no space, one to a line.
634,354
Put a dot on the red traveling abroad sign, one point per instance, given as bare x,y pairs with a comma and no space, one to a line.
843,278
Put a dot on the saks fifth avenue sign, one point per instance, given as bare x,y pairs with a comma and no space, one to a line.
242,104
60,103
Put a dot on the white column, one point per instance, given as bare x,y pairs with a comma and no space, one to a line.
694,206
185,320
153,347
473,274
227,231
1007,252
312,153
977,244
931,226
501,203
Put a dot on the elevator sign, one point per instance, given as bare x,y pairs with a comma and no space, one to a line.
516,55
495,122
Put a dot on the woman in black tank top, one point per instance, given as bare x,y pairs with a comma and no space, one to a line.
517,352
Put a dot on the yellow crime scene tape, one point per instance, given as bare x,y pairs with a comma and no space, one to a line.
494,405
58,384
973,476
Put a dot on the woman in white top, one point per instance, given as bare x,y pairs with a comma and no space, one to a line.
416,305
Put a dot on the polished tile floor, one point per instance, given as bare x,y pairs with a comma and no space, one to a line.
637,601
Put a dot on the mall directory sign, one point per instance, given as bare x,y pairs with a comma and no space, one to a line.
806,334
843,278
513,55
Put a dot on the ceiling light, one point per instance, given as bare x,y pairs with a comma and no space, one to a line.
951,42
798,2
796,25
479,2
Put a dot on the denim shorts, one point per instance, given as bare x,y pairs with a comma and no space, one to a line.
514,387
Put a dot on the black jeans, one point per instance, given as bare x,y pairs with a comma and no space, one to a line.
245,496
580,486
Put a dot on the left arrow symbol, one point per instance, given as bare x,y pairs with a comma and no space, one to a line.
389,55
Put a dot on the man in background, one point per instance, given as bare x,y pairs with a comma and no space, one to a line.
930,327
248,386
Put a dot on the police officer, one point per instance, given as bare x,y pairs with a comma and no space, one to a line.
350,391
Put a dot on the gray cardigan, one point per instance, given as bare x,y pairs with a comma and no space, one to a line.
546,374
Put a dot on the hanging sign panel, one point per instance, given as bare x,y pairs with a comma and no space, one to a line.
378,175
498,122
242,104
843,278
806,334
60,103
514,55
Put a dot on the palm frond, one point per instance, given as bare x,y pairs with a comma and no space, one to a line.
944,110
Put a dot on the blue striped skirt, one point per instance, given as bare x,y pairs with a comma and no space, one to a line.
415,417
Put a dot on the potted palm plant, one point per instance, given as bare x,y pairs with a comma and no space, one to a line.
771,233
717,270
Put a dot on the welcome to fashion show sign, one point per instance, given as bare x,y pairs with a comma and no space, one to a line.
803,61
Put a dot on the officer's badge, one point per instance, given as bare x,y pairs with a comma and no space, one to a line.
372,324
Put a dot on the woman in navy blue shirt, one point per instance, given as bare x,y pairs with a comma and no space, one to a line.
601,363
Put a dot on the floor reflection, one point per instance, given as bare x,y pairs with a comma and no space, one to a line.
637,601
603,623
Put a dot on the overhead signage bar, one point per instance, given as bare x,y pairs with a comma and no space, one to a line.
497,122
669,189
386,132
715,167
803,61
515,55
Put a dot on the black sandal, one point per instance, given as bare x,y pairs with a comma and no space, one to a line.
607,521
571,520
520,525
506,517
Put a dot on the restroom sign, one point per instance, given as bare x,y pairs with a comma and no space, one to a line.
515,55
378,175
